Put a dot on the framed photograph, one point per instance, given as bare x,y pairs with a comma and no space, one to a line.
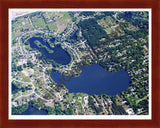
83,66
80,63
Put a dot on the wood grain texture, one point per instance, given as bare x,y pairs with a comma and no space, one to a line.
6,4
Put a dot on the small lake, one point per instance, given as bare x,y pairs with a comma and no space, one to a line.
94,79
128,14
59,55
74,37
32,111
52,40
14,88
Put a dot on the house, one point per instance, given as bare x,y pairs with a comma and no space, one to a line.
130,111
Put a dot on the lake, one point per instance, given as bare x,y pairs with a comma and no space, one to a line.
52,40
128,14
94,79
32,111
14,88
74,37
59,55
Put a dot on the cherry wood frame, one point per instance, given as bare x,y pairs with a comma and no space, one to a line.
4,41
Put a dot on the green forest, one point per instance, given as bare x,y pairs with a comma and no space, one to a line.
92,31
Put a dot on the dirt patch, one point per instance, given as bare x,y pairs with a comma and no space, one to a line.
19,13
50,103
60,27
21,62
28,72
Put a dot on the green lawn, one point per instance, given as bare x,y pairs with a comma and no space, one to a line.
24,78
13,36
52,27
106,22
137,101
39,22
38,43
132,99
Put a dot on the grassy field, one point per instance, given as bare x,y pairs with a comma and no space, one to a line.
52,26
63,21
132,99
55,21
43,46
24,78
22,24
13,36
39,22
131,28
140,100
106,23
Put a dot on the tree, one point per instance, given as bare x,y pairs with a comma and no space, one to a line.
36,105
19,109
30,64
26,43
14,68
92,31
19,68
50,110
23,89
69,111
24,66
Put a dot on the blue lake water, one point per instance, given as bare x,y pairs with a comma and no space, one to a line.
56,76
32,111
74,37
52,40
59,55
128,14
13,87
94,79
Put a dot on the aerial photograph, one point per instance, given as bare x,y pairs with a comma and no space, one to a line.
79,62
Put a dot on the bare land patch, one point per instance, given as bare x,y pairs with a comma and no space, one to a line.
19,13
28,72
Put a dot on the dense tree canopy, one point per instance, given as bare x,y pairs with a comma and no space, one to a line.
92,31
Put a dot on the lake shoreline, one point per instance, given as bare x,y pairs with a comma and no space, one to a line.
98,70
